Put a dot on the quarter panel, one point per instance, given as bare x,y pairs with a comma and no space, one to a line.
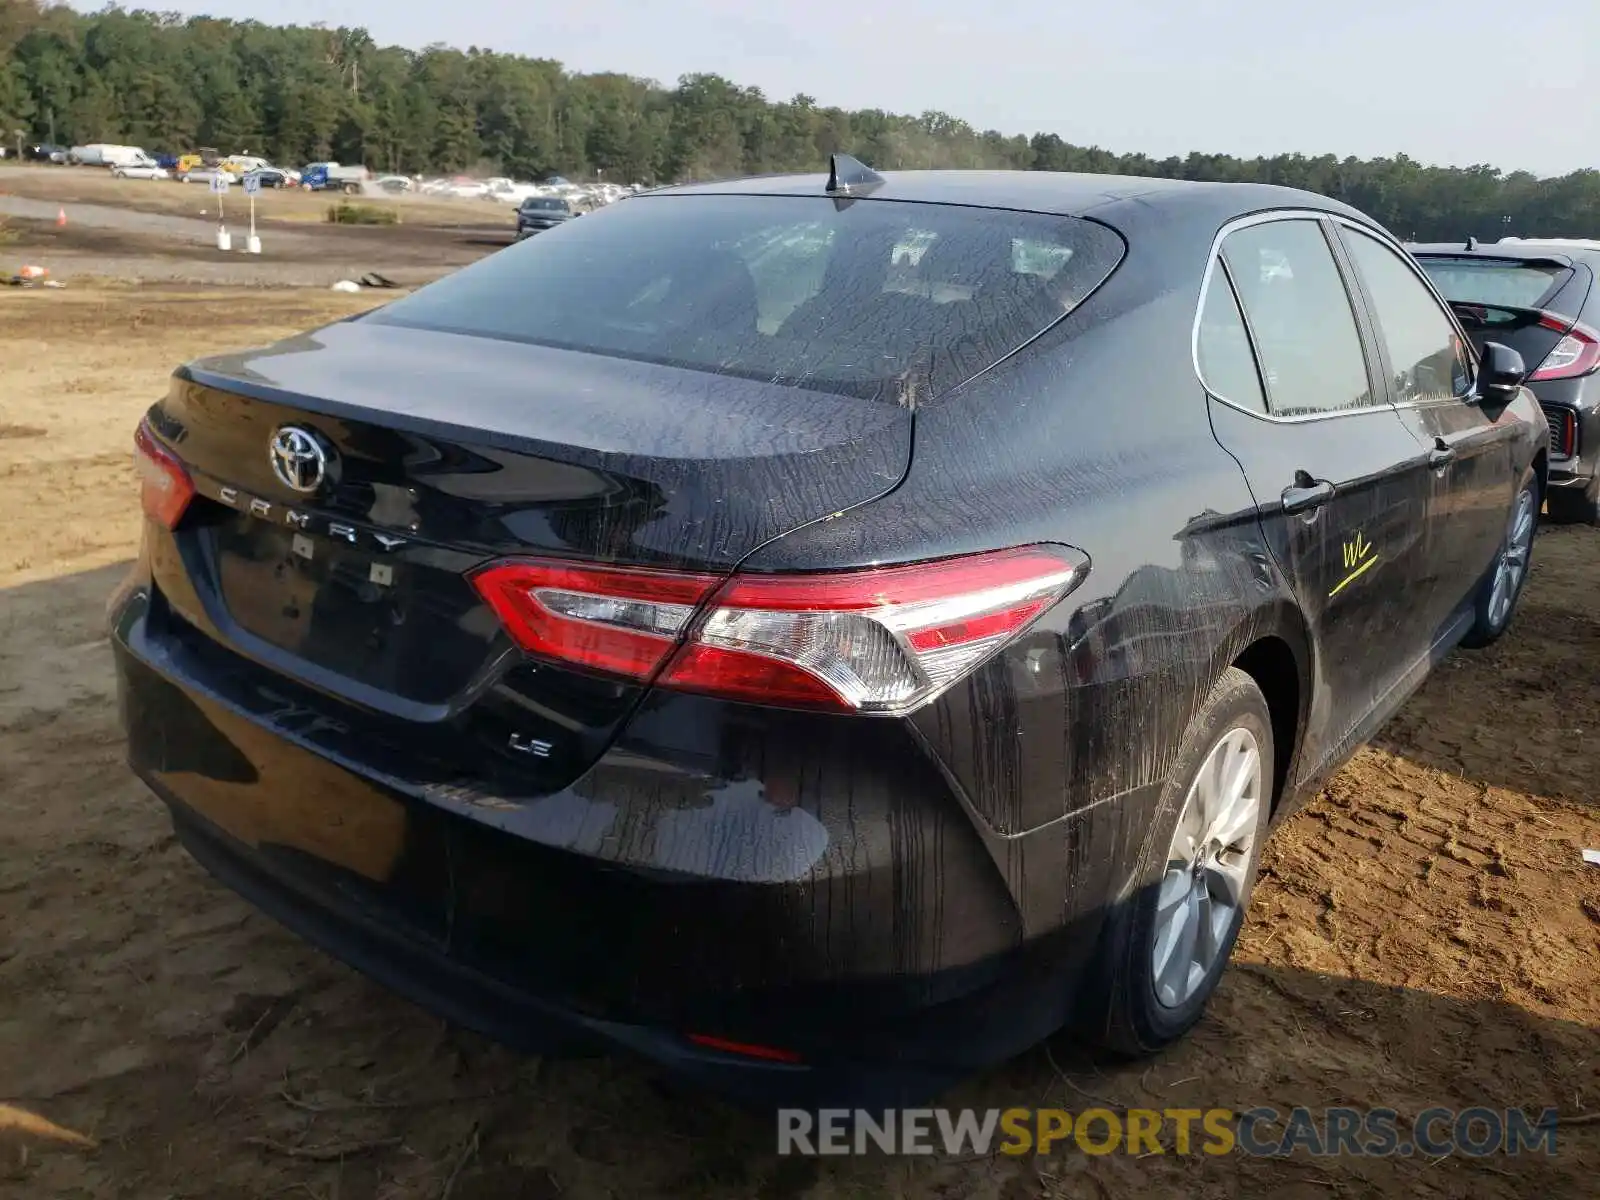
1069,443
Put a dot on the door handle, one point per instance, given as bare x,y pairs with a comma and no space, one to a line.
1307,494
1442,454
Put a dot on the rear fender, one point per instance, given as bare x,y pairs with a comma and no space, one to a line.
1277,620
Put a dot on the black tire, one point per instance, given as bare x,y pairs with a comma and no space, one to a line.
1124,1012
1574,506
1490,619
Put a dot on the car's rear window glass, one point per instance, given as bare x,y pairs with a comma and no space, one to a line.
545,205
881,299
1494,280
1227,363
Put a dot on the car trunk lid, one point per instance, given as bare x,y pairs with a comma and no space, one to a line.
443,451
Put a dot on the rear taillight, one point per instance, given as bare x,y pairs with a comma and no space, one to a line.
879,640
621,621
165,488
1577,353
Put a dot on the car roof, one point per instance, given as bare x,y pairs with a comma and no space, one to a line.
1117,199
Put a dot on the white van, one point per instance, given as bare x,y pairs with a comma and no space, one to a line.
125,156
107,154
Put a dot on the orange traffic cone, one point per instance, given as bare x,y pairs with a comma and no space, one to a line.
61,216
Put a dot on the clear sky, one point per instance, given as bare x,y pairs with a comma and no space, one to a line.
1458,82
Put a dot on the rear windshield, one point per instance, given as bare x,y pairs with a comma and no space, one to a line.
545,205
880,299
1494,280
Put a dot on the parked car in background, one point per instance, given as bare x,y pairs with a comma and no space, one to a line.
678,705
463,187
46,152
394,184
240,165
140,170
538,213
272,177
1539,297
508,191
202,175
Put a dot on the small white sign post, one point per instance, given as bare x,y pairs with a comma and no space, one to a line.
220,182
252,185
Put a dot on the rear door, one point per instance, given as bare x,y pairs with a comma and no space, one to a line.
1340,481
1469,444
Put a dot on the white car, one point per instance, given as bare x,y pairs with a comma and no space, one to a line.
507,191
140,171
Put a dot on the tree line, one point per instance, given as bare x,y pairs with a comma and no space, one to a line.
297,94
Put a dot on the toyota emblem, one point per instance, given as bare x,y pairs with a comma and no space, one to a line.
298,459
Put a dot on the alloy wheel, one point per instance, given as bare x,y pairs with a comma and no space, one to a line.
1513,561
1208,866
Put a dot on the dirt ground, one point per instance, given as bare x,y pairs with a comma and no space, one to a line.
1424,934
165,233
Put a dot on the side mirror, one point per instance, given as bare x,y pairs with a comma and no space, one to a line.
1501,373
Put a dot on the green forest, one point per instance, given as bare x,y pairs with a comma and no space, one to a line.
297,94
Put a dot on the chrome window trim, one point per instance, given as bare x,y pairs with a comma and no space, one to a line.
1265,410
1270,216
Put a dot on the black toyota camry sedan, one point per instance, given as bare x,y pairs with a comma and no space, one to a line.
822,634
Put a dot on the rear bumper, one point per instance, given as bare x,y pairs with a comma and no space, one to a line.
892,962
518,1018
1573,474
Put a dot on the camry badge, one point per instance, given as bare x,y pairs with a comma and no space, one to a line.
298,459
